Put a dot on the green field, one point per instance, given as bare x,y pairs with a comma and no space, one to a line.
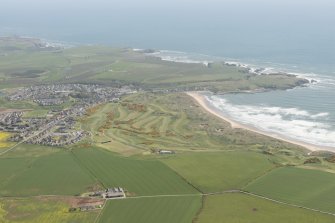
42,210
30,151
149,122
25,64
54,174
309,188
239,208
139,177
125,138
152,210
214,172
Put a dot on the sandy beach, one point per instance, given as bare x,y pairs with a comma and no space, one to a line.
201,100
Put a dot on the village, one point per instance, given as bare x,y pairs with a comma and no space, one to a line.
65,104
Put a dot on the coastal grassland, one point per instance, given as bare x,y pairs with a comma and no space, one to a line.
219,171
26,64
152,210
54,174
151,72
240,208
138,177
42,210
149,122
308,188
3,140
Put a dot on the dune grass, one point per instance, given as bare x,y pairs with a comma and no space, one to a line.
150,122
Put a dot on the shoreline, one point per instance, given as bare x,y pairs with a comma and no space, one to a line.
201,100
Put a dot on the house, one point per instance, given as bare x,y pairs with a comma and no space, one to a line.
116,192
110,193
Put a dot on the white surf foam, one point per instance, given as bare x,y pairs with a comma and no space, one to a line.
291,123
315,80
182,57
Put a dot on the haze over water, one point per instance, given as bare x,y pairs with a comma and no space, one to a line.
296,36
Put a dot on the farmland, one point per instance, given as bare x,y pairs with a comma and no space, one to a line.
208,166
43,210
213,172
152,210
3,140
240,208
138,177
54,174
309,188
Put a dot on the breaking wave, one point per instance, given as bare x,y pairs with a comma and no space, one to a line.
291,123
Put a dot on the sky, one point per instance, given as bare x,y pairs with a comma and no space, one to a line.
192,25
202,11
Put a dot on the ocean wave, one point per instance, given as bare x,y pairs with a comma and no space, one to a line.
266,68
291,123
182,57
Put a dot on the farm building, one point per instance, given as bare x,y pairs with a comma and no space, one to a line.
110,193
116,192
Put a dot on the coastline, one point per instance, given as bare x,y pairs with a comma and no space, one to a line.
201,100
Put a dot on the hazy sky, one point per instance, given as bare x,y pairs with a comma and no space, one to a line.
274,10
276,5
199,25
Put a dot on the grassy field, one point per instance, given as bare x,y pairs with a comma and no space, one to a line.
152,210
239,208
25,63
149,122
139,177
42,210
214,172
309,188
55,174
30,151
126,136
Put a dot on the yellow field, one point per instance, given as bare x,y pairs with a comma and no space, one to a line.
42,210
3,139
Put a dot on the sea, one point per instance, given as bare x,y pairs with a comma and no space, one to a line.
296,37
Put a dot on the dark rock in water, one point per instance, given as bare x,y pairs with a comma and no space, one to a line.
313,81
300,82
147,51
259,70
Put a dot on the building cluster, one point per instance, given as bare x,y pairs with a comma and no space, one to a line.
58,128
10,121
110,193
49,101
57,94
